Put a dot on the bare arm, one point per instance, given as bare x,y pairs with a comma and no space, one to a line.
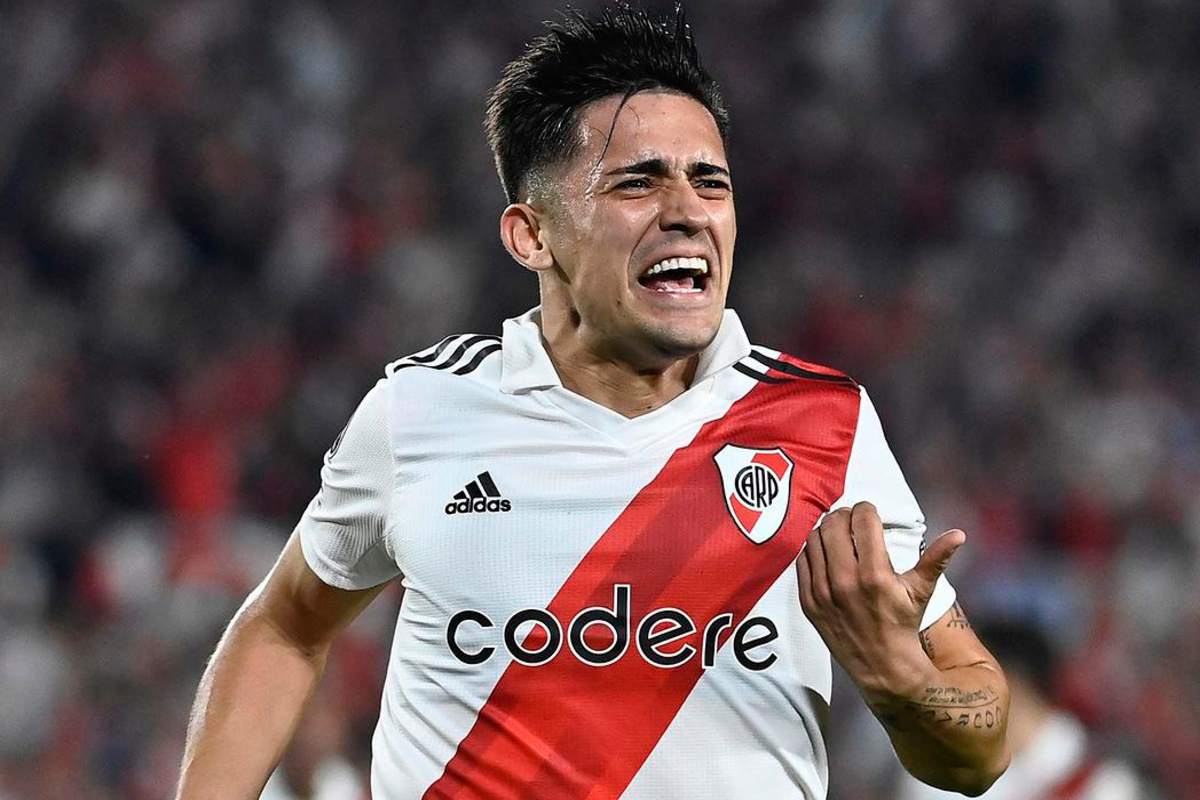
949,731
261,677
940,695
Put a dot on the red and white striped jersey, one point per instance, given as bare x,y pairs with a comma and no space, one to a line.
595,606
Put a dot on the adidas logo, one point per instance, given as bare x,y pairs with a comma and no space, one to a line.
480,496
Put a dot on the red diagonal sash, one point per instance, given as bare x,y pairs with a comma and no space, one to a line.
570,730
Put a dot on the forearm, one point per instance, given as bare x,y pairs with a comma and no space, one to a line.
939,693
247,707
948,728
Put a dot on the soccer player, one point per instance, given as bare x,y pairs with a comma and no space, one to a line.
629,540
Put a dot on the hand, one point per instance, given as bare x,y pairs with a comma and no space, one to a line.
869,615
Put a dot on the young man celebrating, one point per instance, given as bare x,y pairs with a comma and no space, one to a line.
629,540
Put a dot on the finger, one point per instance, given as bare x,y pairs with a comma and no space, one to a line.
804,579
841,566
814,554
867,529
933,562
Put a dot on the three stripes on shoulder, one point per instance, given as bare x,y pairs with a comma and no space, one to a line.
764,367
461,354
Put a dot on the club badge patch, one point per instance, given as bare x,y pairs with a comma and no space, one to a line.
758,485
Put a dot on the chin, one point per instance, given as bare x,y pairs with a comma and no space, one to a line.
682,342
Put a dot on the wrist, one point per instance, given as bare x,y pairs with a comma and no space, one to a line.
898,678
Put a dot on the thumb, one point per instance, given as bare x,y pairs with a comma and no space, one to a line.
933,562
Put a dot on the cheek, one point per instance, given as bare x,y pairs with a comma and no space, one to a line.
615,244
726,227
725,219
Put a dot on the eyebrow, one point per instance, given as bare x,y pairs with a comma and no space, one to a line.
658,167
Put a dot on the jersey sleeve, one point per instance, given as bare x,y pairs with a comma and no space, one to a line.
874,476
343,532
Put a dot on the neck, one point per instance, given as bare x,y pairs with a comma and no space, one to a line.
614,382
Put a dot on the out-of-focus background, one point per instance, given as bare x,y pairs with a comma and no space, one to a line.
219,220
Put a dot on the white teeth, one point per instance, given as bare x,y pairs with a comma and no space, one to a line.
699,266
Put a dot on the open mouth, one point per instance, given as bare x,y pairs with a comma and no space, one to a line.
677,276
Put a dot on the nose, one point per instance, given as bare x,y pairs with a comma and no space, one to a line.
683,210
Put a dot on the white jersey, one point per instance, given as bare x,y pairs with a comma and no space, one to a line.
595,606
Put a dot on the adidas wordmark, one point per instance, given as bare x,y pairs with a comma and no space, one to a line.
480,496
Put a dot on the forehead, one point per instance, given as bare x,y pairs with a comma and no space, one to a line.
652,124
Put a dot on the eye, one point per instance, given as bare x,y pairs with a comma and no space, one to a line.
712,183
634,183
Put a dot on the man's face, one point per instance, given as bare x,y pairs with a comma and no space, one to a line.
642,230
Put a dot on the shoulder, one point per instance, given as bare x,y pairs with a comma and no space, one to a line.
797,397
776,368
459,355
460,373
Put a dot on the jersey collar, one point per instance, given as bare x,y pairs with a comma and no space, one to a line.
527,365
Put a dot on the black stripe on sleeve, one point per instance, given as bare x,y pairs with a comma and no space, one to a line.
474,363
455,356
441,347
465,345
799,372
758,376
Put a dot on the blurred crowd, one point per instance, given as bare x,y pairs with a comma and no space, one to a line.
219,219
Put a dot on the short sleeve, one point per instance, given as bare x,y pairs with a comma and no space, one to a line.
343,532
874,476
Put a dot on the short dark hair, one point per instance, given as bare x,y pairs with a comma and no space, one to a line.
1021,647
533,113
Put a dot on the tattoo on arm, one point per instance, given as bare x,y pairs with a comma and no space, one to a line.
958,619
949,705
954,697
926,642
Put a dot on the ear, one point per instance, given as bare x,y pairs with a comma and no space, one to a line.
524,237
